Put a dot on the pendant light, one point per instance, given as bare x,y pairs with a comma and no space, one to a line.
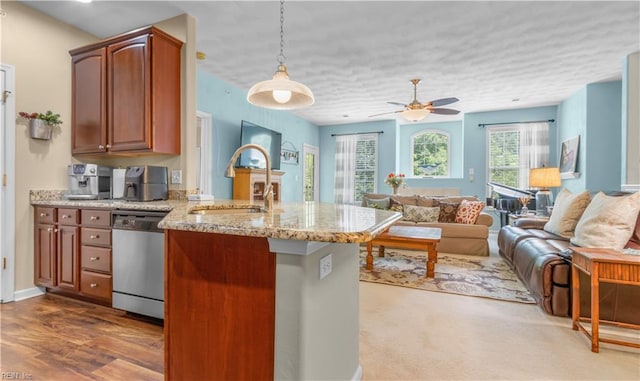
280,93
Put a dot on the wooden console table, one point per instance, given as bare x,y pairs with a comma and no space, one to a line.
604,265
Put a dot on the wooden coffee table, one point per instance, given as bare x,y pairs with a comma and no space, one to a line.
408,237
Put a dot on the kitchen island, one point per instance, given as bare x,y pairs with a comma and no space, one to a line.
244,294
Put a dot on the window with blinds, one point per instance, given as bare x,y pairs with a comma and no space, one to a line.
365,166
504,156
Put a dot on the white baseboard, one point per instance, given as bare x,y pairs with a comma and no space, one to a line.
28,293
357,376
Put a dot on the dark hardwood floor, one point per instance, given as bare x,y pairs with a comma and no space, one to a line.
52,337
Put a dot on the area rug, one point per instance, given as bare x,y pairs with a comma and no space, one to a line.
487,277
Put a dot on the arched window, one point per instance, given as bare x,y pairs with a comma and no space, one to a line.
430,153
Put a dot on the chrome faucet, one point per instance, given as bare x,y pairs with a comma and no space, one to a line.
268,189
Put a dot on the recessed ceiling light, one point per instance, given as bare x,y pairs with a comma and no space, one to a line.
345,115
515,100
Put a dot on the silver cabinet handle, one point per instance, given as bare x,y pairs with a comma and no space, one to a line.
93,218
100,146
108,145
49,230
95,258
65,216
43,214
93,285
94,236
55,230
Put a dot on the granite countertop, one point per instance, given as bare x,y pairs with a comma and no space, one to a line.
305,221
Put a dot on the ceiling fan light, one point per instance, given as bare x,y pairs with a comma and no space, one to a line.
280,93
415,115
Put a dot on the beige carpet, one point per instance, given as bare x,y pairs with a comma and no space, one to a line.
488,277
410,334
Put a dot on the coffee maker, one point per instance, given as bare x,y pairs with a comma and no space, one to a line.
146,183
88,182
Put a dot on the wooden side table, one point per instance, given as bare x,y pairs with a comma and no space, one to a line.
604,265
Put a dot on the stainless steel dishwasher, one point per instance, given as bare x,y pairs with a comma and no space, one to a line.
138,262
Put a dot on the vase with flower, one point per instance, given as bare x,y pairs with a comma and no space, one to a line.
394,181
41,125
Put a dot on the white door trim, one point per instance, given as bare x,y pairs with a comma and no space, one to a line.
7,196
204,144
308,148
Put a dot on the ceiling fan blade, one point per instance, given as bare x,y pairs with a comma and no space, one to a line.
443,101
385,113
444,111
397,104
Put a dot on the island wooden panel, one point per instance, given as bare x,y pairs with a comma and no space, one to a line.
219,307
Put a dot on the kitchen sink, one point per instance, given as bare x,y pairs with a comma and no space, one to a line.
231,210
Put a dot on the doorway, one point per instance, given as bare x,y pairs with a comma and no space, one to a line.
7,192
311,171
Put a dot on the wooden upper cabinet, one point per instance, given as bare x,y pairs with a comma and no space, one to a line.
139,108
88,106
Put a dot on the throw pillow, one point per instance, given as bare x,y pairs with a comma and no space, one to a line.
380,203
448,211
567,212
426,201
468,211
634,241
421,213
607,222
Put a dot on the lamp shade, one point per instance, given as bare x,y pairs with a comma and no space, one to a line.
415,115
280,93
545,177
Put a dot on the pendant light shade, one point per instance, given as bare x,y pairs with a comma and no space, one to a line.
280,92
414,115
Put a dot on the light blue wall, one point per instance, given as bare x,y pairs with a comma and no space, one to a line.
228,106
594,113
387,153
456,145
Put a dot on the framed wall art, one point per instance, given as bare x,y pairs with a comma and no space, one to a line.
569,158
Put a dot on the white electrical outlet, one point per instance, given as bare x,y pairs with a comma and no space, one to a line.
325,266
176,176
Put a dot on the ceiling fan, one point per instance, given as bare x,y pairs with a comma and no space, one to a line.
416,111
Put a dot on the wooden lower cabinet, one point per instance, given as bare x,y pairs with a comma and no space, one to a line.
45,255
72,251
68,258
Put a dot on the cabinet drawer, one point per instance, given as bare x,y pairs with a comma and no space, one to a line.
97,237
96,218
45,215
68,216
96,258
95,285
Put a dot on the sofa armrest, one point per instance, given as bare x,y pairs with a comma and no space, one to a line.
484,219
530,223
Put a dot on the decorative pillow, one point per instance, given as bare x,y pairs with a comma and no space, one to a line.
566,212
426,201
421,213
634,241
403,200
380,203
607,222
448,211
468,211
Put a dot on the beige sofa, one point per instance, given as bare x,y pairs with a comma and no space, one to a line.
456,238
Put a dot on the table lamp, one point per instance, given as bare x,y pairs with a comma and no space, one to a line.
544,178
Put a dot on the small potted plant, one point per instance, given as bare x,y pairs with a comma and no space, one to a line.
41,125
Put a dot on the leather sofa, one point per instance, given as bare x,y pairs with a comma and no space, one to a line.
456,238
535,255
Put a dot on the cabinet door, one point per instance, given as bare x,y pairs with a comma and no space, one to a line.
89,100
45,255
68,254
129,95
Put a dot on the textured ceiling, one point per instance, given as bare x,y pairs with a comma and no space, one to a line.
356,56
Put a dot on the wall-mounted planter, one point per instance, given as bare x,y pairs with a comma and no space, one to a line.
39,129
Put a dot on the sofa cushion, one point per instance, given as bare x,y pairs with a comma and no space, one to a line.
421,214
634,242
468,211
377,203
403,200
426,201
448,211
608,222
567,210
